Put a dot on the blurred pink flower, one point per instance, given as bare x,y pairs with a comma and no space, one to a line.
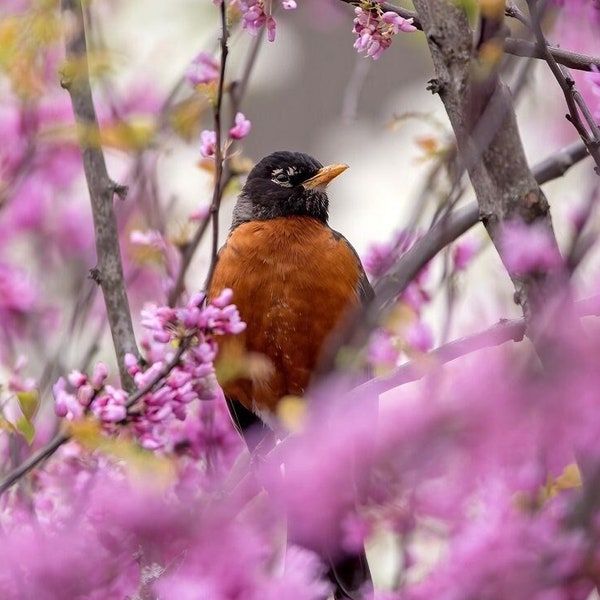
241,128
528,248
382,352
203,69
419,336
200,213
208,141
463,253
381,256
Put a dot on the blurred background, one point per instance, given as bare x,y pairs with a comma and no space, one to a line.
310,91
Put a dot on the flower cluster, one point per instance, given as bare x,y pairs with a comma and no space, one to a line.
181,350
208,137
375,29
257,14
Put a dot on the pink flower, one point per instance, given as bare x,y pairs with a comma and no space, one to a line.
463,252
203,69
241,128
381,351
66,405
271,28
528,248
208,142
375,31
419,337
381,256
191,379
99,375
200,213
256,15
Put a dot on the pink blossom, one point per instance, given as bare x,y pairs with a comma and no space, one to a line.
191,379
382,352
381,256
256,14
463,253
66,405
208,142
419,336
99,375
202,70
150,237
271,28
241,128
528,248
200,213
375,30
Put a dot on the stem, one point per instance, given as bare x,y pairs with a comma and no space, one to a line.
109,270
219,160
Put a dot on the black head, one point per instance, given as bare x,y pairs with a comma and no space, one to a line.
285,184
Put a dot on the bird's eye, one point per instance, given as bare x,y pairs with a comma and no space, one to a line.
281,178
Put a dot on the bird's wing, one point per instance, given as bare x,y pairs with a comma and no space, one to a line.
364,288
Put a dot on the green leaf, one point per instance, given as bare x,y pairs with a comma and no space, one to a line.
26,429
29,402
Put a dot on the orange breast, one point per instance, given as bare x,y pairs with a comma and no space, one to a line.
293,280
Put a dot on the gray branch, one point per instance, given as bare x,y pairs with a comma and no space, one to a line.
483,119
102,190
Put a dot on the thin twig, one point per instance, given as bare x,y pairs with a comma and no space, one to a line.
496,335
575,102
237,90
219,157
33,461
571,60
455,224
109,272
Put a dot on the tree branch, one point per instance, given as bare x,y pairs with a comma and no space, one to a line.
482,116
109,270
572,60
219,156
496,335
451,227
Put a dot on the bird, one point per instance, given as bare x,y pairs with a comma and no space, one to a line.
296,282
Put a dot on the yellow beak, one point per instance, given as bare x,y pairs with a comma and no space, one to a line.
324,176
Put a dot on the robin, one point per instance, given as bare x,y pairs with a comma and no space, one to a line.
295,282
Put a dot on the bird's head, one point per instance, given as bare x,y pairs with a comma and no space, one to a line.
285,184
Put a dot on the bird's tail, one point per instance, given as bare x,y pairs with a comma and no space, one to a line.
351,577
